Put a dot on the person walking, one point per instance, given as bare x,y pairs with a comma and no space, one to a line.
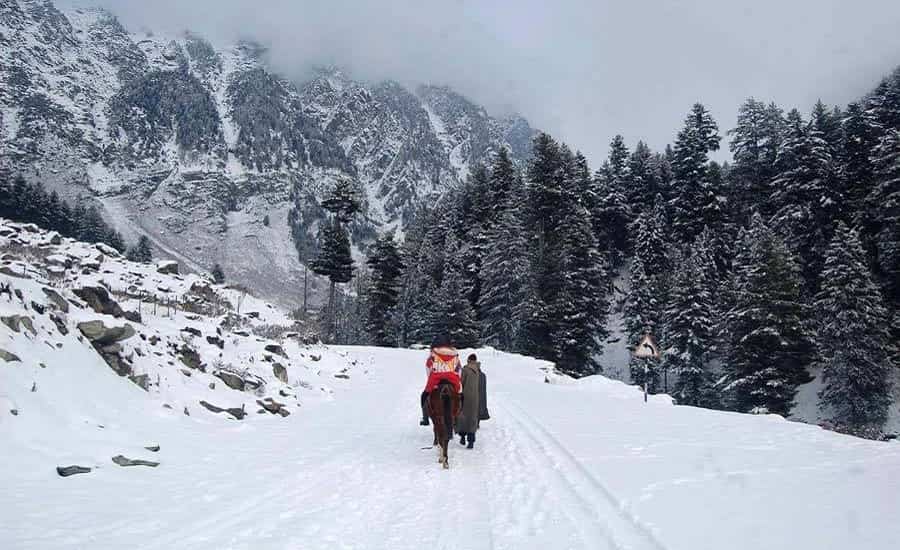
469,418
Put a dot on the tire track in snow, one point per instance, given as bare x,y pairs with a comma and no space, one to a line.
620,527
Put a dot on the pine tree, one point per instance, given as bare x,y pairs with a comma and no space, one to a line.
455,316
643,315
884,212
643,185
768,343
754,146
857,349
343,201
334,262
501,185
581,305
805,195
695,201
860,138
504,275
689,327
612,214
218,274
386,266
142,252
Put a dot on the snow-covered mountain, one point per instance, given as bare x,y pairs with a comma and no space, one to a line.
196,146
213,425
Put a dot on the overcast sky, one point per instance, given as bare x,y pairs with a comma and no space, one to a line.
581,70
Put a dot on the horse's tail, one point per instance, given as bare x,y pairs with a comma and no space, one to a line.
448,415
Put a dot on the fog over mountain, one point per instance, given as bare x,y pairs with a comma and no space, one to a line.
582,70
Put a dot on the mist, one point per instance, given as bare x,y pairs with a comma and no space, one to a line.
580,70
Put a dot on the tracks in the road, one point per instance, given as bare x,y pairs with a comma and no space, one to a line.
597,511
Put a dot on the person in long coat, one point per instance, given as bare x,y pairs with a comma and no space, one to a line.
467,423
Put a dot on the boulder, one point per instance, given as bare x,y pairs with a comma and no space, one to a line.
235,412
216,341
122,461
253,314
54,238
276,349
88,265
153,448
56,272
9,271
98,299
193,331
167,267
9,357
280,372
38,308
100,335
232,380
190,358
273,406
107,250
17,322
59,319
142,380
66,471
56,299
133,316
59,260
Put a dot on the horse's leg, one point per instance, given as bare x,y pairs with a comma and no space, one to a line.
445,460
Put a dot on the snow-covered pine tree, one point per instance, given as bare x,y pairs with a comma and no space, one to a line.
695,202
504,276
581,306
860,139
386,268
769,346
218,274
643,315
142,252
689,326
754,145
612,212
805,196
884,212
343,201
827,122
642,180
857,350
454,315
334,262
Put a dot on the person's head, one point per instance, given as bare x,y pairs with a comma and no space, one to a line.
472,358
441,341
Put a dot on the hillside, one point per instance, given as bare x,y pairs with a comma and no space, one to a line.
195,146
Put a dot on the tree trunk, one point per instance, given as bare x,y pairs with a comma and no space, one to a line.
331,313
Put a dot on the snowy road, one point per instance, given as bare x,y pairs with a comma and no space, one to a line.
568,465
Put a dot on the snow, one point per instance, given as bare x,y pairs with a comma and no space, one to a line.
562,463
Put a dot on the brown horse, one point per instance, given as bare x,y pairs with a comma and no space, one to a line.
443,407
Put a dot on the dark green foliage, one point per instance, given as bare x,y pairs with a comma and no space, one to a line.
769,345
805,195
696,201
857,349
148,109
754,144
384,290
334,260
29,203
142,252
218,274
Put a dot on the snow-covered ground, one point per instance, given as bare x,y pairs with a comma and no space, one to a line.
561,463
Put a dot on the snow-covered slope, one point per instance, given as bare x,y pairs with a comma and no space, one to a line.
560,464
194,146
